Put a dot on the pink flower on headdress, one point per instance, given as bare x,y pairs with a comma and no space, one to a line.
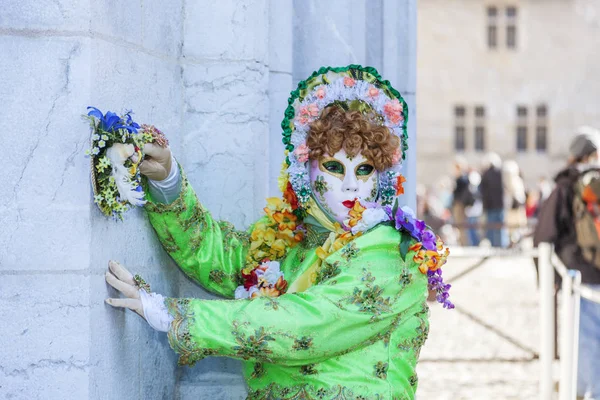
349,81
301,153
320,93
393,110
373,92
396,156
313,110
307,114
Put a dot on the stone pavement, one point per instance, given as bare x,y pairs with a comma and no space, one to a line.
486,348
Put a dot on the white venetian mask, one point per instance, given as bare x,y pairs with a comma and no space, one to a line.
335,179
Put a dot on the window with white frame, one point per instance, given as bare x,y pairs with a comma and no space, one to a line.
521,128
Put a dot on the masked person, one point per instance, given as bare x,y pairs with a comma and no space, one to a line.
331,284
568,219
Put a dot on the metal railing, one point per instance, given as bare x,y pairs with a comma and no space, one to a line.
572,292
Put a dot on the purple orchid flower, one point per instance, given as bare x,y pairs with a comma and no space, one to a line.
436,284
429,240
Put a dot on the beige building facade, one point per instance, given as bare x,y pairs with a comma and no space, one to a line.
514,77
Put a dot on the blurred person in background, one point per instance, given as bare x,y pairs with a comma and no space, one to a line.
475,211
514,200
561,221
492,198
462,197
544,187
532,203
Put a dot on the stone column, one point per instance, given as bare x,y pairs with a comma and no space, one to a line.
399,21
280,81
225,136
59,339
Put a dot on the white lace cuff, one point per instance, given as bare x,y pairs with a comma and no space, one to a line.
167,190
155,311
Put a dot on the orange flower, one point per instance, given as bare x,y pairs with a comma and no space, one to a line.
281,284
433,259
419,257
399,181
290,196
285,219
265,292
415,247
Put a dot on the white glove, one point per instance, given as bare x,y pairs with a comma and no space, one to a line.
157,162
149,306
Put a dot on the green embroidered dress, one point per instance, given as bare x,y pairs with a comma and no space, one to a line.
355,334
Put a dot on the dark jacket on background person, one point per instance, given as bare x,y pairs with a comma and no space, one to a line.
492,189
556,225
462,191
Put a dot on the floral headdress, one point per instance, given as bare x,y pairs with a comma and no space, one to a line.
354,87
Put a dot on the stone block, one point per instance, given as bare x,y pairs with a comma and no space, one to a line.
130,359
280,36
222,391
69,15
120,20
46,380
162,25
237,90
323,36
46,164
226,169
226,30
44,238
45,345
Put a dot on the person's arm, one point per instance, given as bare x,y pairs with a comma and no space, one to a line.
369,291
211,253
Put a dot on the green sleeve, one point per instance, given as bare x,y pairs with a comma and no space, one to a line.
366,291
209,252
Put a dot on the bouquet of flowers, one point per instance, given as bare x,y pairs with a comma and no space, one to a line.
116,153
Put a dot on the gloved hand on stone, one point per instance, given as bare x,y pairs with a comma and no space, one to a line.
149,306
157,162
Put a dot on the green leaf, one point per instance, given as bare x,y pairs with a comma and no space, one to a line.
405,240
395,208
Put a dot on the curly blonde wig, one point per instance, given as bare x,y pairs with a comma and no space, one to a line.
355,133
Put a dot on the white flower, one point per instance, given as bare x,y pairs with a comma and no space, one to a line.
95,151
252,290
95,136
104,137
273,272
101,143
241,293
370,218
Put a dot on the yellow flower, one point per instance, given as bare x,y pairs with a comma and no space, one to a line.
355,213
286,220
278,248
274,204
283,178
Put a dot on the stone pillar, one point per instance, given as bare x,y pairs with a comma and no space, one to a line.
59,339
399,21
328,33
225,79
280,81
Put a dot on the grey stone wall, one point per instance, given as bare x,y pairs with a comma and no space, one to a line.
215,77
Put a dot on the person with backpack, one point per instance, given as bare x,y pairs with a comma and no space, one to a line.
570,220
